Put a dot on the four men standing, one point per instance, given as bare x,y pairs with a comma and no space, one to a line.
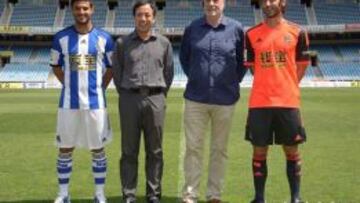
211,56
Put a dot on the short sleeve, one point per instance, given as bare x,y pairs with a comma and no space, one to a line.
56,56
302,47
109,46
249,56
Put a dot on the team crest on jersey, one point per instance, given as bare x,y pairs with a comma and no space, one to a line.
287,39
82,62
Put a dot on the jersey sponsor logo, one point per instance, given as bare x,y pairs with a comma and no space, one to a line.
82,62
267,57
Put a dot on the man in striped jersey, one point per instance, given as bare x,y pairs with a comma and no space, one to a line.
80,57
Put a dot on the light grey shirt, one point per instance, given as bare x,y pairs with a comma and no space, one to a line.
138,63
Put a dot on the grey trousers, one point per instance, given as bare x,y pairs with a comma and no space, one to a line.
141,114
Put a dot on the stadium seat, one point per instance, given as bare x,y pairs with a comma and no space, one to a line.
27,13
124,16
295,12
333,12
24,72
341,71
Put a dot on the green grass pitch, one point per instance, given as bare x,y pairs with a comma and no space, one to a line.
331,163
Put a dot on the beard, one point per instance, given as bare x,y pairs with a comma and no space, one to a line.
82,21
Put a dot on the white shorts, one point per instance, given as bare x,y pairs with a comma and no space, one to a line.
83,128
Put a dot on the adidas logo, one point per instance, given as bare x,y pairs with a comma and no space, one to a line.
258,40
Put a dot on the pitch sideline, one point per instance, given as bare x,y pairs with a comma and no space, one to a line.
181,154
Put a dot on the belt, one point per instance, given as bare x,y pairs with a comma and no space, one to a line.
146,91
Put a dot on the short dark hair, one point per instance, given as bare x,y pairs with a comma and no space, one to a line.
283,8
72,2
142,3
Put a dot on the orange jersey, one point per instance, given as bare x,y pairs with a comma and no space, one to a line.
273,53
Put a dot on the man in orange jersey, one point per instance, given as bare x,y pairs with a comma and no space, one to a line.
276,55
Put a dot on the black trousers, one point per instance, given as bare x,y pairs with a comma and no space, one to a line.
141,113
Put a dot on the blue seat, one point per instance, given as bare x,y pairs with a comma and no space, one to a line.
30,14
24,72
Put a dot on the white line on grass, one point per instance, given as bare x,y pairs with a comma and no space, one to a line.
181,154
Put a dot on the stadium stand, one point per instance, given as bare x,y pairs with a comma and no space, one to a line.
350,52
341,71
21,54
310,75
26,13
2,5
124,17
338,61
296,12
326,53
335,12
181,13
42,55
178,73
241,11
19,72
247,78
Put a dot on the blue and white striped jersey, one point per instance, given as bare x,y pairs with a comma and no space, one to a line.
84,59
